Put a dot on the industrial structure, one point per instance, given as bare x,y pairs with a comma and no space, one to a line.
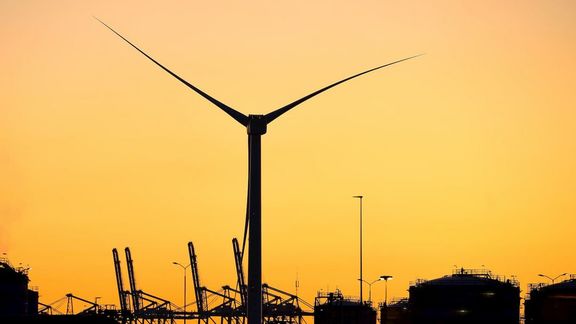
18,304
144,307
466,296
551,304
16,299
395,312
225,305
334,308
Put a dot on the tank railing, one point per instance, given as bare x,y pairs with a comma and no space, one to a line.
334,294
337,296
536,286
532,286
481,273
417,282
513,281
484,273
394,302
473,272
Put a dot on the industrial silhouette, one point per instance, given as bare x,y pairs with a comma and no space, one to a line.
466,296
334,308
16,299
554,303
256,126
226,305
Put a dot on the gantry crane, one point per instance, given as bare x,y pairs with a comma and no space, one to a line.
227,310
132,281
93,309
157,310
279,307
122,294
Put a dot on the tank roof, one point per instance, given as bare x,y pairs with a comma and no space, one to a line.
569,284
467,277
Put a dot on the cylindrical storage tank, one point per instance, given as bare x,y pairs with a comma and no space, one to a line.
467,296
334,308
554,303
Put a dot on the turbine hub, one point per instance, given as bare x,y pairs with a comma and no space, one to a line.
256,125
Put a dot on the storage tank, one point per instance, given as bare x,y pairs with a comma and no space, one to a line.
334,308
551,304
396,312
467,296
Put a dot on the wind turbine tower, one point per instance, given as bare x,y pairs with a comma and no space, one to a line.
256,126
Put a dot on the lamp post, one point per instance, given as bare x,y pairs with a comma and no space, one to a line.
386,278
184,269
553,279
370,286
361,279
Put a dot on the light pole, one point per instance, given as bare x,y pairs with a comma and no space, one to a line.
553,279
386,278
370,286
184,269
361,279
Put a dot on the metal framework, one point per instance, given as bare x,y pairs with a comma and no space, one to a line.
225,306
122,295
146,308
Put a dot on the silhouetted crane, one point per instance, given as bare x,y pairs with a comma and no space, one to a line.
227,310
136,302
124,303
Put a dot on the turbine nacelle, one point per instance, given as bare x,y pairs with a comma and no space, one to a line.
256,125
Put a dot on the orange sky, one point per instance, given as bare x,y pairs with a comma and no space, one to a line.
466,155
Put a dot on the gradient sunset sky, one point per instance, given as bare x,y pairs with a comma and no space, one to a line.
466,155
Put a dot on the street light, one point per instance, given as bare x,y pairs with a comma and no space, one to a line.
370,285
553,279
386,278
184,269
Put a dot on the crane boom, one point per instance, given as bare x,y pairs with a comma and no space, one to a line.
119,282
198,290
132,280
70,309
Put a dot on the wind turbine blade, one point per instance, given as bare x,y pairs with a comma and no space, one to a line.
238,116
277,113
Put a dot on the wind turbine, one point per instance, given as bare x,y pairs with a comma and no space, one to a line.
256,126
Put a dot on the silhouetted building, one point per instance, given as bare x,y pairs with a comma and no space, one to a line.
551,304
467,297
16,300
396,312
334,308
